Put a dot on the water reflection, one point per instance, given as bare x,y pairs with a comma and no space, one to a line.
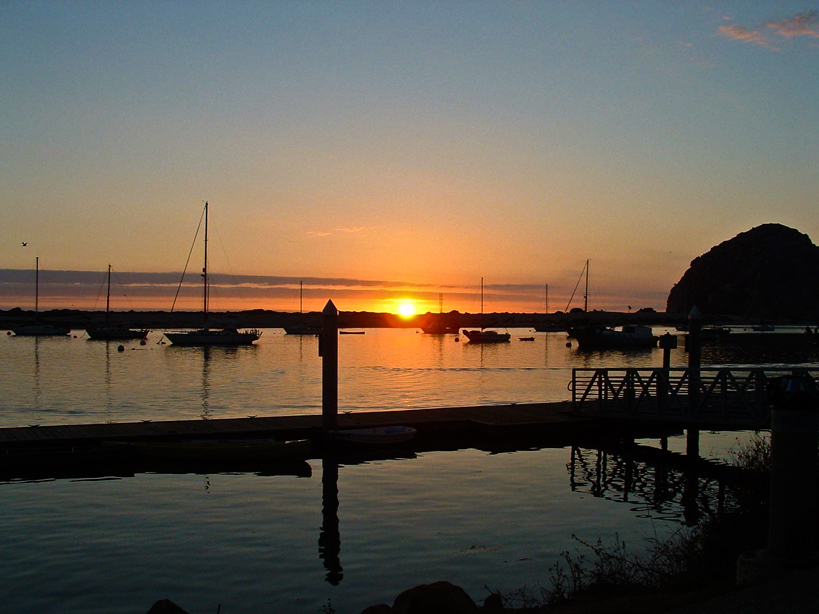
655,490
206,357
329,542
760,348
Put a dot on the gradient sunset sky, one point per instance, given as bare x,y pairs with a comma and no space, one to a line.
395,150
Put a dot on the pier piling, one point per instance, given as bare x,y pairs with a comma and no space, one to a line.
328,350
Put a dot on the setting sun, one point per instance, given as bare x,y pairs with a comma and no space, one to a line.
406,309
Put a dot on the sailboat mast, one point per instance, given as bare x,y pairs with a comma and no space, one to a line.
36,287
205,291
586,297
481,303
108,296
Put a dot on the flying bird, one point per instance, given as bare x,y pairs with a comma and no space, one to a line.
25,243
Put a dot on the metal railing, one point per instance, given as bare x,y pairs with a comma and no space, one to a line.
709,395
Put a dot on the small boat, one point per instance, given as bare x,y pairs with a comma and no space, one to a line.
301,328
548,327
486,336
439,327
39,330
628,336
225,336
109,332
526,338
351,332
378,436
440,324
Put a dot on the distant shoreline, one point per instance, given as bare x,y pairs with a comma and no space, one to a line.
259,318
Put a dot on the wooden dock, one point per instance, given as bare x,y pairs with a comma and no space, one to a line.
550,418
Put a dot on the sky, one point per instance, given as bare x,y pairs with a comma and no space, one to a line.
393,152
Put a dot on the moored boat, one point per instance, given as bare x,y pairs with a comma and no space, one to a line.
109,332
301,328
36,329
628,336
225,336
439,327
485,336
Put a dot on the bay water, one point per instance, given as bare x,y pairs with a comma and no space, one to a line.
347,536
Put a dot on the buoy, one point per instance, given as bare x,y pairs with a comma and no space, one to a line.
143,342
457,339
568,344
8,332
121,348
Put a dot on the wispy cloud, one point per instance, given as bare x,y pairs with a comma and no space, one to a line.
744,35
351,230
804,24
328,233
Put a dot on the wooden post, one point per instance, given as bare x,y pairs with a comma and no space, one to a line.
328,350
668,342
694,359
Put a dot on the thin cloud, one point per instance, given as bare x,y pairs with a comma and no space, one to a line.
744,35
327,233
804,24
351,230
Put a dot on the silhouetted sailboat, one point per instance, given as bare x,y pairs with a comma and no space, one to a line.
37,329
114,332
485,336
211,335
301,328
440,325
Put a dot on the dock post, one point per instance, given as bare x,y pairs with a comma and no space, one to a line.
328,350
667,342
792,540
694,359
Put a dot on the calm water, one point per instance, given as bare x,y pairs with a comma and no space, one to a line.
354,534
74,380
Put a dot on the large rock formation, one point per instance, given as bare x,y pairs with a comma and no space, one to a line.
769,272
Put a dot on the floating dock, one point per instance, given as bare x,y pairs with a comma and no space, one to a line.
555,418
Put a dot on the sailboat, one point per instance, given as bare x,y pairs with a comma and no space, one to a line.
440,325
548,326
114,332
485,336
301,328
36,329
207,335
